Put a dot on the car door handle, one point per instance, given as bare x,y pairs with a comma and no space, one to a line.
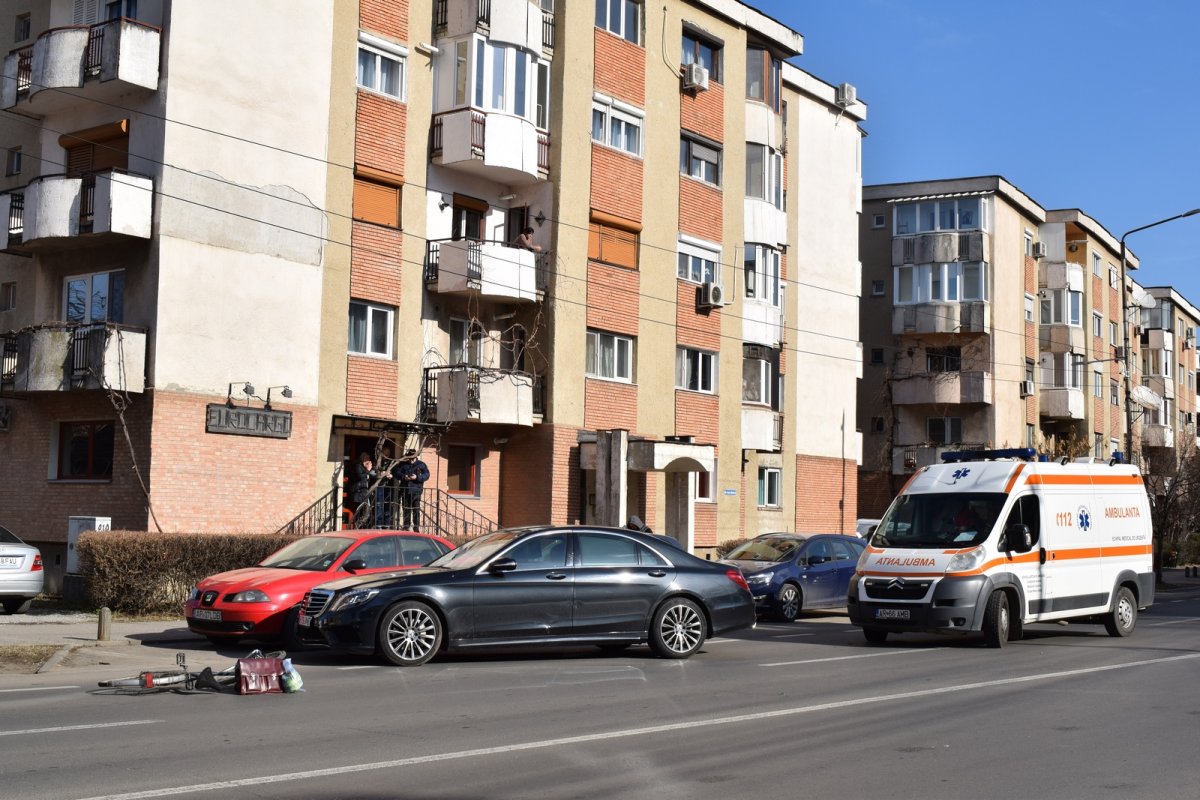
556,576
656,573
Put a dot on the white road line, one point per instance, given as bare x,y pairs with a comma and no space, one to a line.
1172,622
361,666
849,658
572,741
61,728
40,689
792,635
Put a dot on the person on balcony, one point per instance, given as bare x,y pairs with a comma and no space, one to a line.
411,474
524,240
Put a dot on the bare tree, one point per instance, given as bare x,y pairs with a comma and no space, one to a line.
1173,482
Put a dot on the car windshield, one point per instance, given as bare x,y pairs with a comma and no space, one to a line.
313,553
938,520
476,551
766,548
8,537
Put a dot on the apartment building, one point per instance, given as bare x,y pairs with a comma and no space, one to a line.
1168,325
991,322
239,257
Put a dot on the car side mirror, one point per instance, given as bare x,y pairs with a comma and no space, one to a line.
814,560
1017,538
503,565
354,565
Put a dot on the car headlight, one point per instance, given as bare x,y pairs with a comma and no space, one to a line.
967,561
250,596
194,594
760,578
351,599
862,560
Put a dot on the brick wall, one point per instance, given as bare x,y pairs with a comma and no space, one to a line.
705,532
821,484
608,404
489,461
694,327
875,493
375,263
617,182
701,212
704,112
620,68
612,292
539,480
697,415
379,132
388,17
371,386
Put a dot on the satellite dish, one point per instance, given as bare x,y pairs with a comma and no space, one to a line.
1145,300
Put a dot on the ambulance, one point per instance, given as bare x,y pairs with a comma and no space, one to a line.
993,539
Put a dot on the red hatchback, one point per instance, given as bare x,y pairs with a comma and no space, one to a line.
261,602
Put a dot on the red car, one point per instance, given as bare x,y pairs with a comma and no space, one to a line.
261,602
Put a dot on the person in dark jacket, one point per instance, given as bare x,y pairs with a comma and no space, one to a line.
364,476
411,474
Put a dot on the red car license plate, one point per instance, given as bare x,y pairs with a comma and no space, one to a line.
204,613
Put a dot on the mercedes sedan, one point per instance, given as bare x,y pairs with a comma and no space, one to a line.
607,587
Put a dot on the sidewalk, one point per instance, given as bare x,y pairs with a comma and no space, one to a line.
75,635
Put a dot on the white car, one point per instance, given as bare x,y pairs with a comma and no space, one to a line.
21,572
864,527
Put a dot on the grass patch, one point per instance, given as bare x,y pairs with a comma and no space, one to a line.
24,657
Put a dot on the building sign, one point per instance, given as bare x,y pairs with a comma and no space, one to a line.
243,421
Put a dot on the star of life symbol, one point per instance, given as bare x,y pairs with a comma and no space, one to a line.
1085,518
961,473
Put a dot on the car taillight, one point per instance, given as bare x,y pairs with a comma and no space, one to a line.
37,563
736,576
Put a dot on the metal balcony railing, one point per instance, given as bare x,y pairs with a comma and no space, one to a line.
319,517
475,261
547,30
24,69
16,217
475,375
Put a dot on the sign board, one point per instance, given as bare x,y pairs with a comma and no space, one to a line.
730,492
243,421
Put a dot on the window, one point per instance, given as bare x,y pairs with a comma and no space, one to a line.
462,469
760,376
1063,370
371,329
541,116
504,79
604,550
698,50
769,481
1097,325
763,73
617,124
695,370
764,174
609,356
950,282
762,274
926,216
85,450
381,66
943,359
1029,244
878,221
613,241
622,17
876,355
99,297
1029,370
700,160
120,8
944,430
1113,277
12,162
1030,304
1030,435
466,342
1097,265
22,29
706,485
1097,384
467,217
1062,307
8,296
877,289
377,202
1112,333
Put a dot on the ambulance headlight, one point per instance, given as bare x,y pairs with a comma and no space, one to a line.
862,560
967,560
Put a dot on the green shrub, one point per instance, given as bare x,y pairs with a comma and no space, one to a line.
140,572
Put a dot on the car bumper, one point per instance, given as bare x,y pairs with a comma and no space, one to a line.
25,586
234,622
953,606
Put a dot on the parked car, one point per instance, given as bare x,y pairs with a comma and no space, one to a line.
792,572
608,587
865,527
261,602
21,572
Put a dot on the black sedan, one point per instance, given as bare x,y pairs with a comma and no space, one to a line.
534,586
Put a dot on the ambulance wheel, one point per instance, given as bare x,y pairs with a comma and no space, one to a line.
875,635
1122,618
996,620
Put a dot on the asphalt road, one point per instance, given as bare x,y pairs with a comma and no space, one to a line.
802,710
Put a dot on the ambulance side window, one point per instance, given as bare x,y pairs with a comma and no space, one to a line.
1025,512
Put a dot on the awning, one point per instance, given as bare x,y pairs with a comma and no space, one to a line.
937,196
650,455
1145,397
354,425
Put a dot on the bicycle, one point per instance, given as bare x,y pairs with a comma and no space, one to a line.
182,679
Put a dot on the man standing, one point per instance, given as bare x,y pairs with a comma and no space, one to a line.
411,474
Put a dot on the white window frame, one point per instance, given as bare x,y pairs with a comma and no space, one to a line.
688,148
1098,384
381,50
372,320
1112,332
622,348
1114,277
1114,392
508,92
623,26
768,172
1030,308
90,278
763,284
907,218
1029,244
696,366
770,484
1062,370
698,261
466,338
1062,307
615,117
939,282
764,382
878,221
1097,265
711,496
1097,325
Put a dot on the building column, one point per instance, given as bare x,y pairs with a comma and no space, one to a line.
681,517
612,483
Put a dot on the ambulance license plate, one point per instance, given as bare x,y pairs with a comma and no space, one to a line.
891,613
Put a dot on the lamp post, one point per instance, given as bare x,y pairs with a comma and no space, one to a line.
1125,327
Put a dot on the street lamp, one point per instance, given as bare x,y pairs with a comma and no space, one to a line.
1125,327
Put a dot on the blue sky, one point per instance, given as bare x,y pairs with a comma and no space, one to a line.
1090,105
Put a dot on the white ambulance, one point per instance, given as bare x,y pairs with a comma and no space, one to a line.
993,540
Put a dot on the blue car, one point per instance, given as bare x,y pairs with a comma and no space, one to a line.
791,572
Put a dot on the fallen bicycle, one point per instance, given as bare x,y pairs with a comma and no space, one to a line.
257,673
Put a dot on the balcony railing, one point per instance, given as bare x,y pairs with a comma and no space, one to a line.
62,356
478,132
24,69
460,392
547,30
908,458
512,146
111,201
16,217
490,266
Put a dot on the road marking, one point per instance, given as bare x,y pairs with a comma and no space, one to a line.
361,666
792,635
40,689
61,728
1172,622
572,741
849,658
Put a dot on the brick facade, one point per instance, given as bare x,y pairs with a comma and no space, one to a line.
826,494
617,182
608,404
620,68
372,386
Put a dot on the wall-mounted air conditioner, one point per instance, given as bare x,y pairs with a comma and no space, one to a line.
1118,354
695,77
755,352
846,95
1026,388
1039,249
712,295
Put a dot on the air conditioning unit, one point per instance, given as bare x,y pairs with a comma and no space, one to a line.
695,77
846,95
755,352
1026,388
1039,249
1187,344
1118,354
712,295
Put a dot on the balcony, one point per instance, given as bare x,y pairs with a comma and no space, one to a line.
1058,338
910,458
973,316
944,388
936,248
106,61
490,144
63,357
1158,339
52,212
762,323
463,392
1061,402
762,429
1160,385
492,270
516,22
1158,436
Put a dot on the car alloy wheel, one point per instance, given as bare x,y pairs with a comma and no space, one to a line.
678,629
788,607
410,634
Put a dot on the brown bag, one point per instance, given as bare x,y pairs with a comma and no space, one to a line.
259,675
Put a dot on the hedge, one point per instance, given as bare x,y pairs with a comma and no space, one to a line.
140,572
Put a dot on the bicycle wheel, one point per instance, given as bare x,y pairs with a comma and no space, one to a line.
151,679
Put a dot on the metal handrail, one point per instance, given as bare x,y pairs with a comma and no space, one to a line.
319,517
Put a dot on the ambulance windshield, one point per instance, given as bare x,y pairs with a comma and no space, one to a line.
939,520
